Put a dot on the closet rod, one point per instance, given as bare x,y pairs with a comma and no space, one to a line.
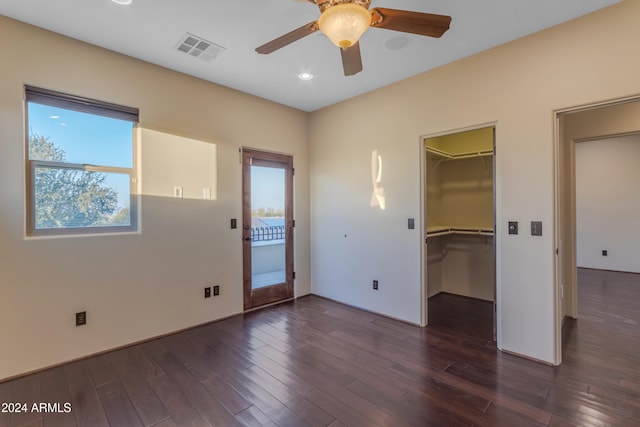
465,231
452,156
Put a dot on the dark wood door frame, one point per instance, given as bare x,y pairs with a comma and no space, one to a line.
262,296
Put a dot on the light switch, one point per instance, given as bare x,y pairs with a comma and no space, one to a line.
513,227
411,223
536,228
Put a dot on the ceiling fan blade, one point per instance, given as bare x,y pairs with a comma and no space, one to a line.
288,38
424,24
351,60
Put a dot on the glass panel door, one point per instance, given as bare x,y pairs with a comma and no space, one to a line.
268,258
267,227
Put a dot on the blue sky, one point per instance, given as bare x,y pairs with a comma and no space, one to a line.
88,139
267,187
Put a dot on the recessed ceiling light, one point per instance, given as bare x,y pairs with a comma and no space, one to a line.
122,1
54,117
305,76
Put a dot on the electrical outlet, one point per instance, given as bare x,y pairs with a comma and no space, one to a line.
206,193
207,292
177,192
375,285
605,253
81,318
216,290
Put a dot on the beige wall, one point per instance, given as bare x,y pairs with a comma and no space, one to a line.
140,285
467,192
468,266
432,218
518,86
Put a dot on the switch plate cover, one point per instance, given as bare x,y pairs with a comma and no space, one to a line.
536,228
81,318
206,193
513,227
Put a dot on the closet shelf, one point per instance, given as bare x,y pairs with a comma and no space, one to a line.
445,155
444,231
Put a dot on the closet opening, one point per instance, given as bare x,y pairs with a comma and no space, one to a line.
460,250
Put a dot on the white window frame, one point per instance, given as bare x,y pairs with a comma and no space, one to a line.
75,103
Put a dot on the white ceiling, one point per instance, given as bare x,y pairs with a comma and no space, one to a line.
150,30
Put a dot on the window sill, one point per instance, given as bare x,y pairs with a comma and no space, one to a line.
80,235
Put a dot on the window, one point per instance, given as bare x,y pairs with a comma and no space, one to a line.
81,170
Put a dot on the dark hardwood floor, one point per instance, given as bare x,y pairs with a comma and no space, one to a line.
461,315
317,362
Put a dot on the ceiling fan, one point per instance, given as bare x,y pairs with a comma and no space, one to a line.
344,21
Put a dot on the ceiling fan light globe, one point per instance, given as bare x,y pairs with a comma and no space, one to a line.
344,23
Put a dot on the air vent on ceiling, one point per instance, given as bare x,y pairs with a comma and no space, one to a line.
199,47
